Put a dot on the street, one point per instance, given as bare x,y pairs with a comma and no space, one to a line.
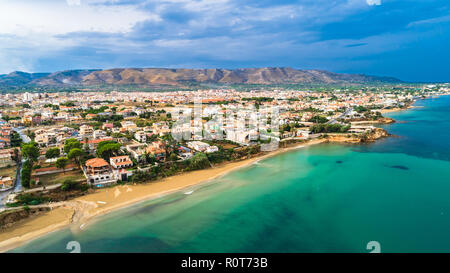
18,182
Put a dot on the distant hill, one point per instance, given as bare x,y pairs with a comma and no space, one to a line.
20,78
179,77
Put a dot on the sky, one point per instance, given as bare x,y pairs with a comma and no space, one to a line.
407,39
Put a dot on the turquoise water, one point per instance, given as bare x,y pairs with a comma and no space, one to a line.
325,198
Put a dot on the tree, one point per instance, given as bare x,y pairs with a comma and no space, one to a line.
52,153
318,119
16,140
76,154
26,174
199,161
70,144
106,149
69,185
61,163
31,151
173,157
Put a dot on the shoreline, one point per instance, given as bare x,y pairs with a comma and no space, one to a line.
82,211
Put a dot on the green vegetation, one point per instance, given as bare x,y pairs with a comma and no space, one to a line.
70,185
106,149
318,119
62,163
76,155
27,199
52,153
70,144
26,173
16,140
55,178
329,128
258,99
30,151
198,161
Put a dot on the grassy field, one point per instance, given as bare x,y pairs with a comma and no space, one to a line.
49,179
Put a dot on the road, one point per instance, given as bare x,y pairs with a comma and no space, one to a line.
24,137
347,111
18,185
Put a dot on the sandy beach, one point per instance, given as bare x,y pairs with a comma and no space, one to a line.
78,212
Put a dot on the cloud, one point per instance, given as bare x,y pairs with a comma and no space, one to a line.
337,35
373,2
73,2
56,17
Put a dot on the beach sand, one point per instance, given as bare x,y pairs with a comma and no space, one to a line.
76,213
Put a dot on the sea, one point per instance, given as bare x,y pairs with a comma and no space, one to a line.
389,196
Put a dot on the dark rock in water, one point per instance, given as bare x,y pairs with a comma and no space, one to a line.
400,167
339,161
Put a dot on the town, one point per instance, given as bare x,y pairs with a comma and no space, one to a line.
56,146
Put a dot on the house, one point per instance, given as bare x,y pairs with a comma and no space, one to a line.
99,173
120,165
7,158
141,136
98,134
86,130
138,151
198,145
307,116
108,126
158,153
6,182
4,142
129,126
212,149
161,128
303,133
93,143
91,116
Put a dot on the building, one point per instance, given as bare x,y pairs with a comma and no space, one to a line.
129,126
198,145
141,136
137,151
158,153
6,182
121,165
99,173
7,158
98,134
4,142
86,130
93,143
108,126
212,149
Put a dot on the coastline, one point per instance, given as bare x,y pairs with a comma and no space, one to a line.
79,212
411,106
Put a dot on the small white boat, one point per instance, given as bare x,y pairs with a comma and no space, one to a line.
188,192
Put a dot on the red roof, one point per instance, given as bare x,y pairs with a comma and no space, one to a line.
123,163
96,141
96,163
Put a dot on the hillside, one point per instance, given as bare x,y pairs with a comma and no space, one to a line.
178,77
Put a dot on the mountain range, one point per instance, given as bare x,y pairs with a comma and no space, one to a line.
180,77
